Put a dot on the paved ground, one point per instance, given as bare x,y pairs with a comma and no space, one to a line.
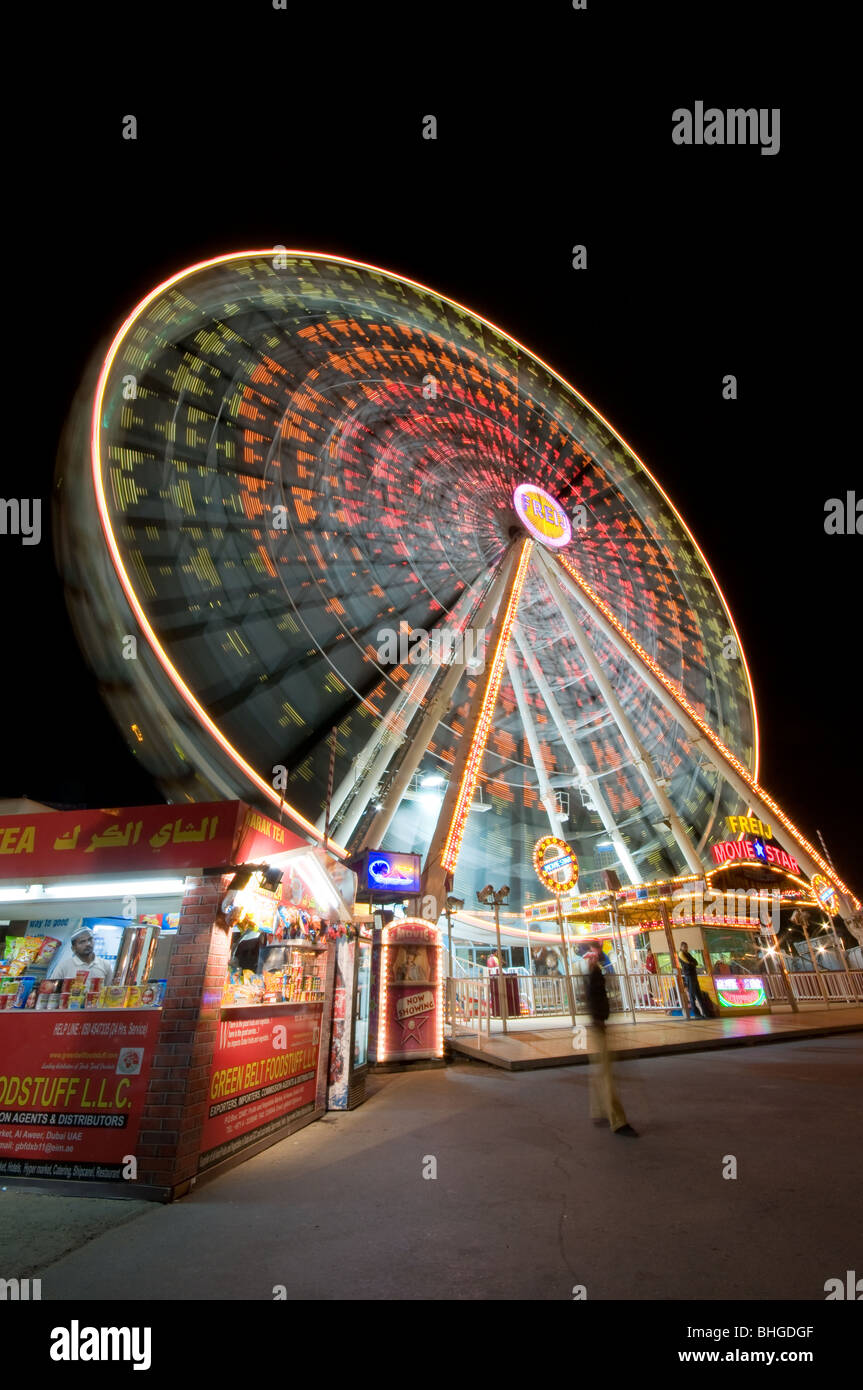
530,1199
549,1043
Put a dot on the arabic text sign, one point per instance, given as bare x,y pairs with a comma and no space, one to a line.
54,844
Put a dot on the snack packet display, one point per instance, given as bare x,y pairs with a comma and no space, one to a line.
8,993
23,953
47,950
114,997
26,984
48,990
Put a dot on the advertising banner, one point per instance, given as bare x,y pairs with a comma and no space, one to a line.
72,1090
90,842
263,1075
338,1078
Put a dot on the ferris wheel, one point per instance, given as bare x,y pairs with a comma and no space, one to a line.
320,496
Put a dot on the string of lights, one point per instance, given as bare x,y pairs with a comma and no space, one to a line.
455,832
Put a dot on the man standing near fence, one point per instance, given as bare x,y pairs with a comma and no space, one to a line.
605,1104
689,966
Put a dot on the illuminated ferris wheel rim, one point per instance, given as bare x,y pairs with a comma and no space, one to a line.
161,655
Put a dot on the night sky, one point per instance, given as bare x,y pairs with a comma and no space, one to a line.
701,261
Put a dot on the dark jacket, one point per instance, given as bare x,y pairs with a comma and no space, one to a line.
689,964
597,996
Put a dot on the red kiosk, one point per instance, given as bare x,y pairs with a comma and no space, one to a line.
141,1086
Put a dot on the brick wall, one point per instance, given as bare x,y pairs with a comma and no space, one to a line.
169,1139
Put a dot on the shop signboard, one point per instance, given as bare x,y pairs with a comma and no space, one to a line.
263,1076
825,894
63,844
72,1090
410,1018
388,872
739,851
555,864
259,838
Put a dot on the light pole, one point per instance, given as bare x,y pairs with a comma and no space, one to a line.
452,905
490,898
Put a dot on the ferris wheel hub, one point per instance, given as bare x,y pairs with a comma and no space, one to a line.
542,515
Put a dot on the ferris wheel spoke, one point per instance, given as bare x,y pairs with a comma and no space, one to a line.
426,724
546,791
586,778
642,758
443,852
702,738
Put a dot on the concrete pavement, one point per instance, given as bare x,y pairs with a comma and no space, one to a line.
529,1200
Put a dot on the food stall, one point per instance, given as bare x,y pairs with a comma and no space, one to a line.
166,986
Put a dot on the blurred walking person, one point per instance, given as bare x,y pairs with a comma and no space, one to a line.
605,1104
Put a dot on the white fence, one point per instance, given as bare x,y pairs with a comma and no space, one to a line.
469,1002
823,986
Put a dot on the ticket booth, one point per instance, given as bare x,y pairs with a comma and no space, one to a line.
411,989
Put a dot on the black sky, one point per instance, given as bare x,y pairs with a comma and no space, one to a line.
257,128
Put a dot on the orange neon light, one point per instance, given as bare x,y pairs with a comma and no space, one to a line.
161,655
455,834
705,728
425,289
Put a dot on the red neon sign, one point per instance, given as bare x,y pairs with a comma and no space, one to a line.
735,850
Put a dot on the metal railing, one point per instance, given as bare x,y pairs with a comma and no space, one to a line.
542,997
823,986
650,993
469,1003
